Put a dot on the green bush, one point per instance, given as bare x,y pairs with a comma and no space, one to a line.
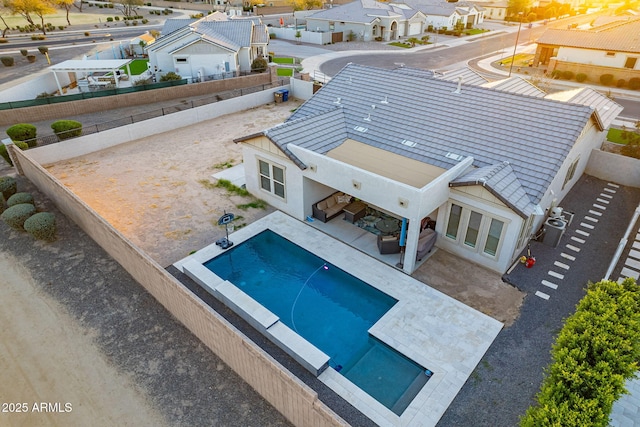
43,49
65,129
23,132
606,79
556,74
634,83
24,52
42,226
117,18
20,198
5,154
109,19
595,352
7,61
8,186
621,83
38,37
259,65
16,215
581,77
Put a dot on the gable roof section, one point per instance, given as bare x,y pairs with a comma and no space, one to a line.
236,32
516,84
620,37
172,25
605,110
501,181
260,34
489,125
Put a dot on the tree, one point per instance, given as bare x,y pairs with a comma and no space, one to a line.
78,5
66,5
514,7
27,8
413,41
128,7
306,4
595,352
6,27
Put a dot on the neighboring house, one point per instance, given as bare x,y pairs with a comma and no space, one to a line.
613,48
368,20
486,162
441,13
209,47
494,9
138,44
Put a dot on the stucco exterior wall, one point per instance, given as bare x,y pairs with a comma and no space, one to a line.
596,57
614,168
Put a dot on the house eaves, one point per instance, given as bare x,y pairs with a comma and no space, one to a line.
605,110
623,37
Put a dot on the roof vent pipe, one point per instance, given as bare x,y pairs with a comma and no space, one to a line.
384,101
459,85
337,101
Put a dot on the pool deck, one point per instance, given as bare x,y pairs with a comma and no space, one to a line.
431,328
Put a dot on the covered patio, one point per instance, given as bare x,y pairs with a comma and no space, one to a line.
89,66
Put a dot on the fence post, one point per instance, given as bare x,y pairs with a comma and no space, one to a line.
10,146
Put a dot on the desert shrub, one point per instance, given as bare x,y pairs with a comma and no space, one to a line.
20,198
259,65
7,61
4,40
65,129
621,83
38,37
87,33
606,79
170,76
24,52
567,75
43,49
117,18
8,186
109,19
581,77
16,215
555,74
145,21
5,154
634,83
23,132
42,226
31,58
61,27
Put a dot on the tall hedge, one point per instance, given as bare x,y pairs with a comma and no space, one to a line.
596,351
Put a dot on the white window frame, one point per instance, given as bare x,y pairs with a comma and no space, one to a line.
483,230
273,183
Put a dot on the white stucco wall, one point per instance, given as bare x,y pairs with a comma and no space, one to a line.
595,57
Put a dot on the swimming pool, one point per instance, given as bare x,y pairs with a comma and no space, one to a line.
329,308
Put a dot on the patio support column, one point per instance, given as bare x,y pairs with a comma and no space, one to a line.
411,248
55,76
115,76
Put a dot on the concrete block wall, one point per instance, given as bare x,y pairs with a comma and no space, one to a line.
85,106
614,168
98,141
294,399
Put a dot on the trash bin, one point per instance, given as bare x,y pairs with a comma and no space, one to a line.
285,95
277,96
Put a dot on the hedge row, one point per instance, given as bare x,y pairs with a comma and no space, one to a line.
605,79
596,351
21,212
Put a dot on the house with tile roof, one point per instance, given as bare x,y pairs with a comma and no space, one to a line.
613,48
209,47
486,162
369,20
441,13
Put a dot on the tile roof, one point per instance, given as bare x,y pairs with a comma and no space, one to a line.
516,84
364,11
606,110
502,182
616,37
229,33
446,124
171,25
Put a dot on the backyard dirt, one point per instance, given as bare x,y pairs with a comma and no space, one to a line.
68,384
158,191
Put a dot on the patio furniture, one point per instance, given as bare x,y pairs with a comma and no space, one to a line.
331,207
354,211
426,240
388,226
388,244
370,220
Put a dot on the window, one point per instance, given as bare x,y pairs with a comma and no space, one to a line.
475,230
454,221
271,178
181,60
570,172
630,63
611,54
493,237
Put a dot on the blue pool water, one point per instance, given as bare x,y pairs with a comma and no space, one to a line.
329,308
